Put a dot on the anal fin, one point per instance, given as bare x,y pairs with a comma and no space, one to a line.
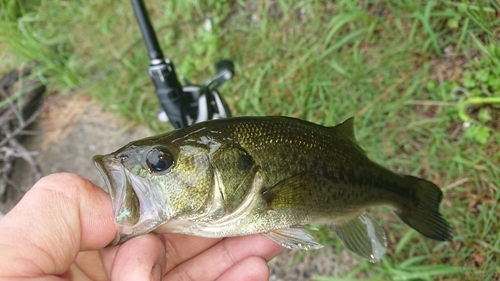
363,236
293,238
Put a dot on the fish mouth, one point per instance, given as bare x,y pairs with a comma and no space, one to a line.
135,213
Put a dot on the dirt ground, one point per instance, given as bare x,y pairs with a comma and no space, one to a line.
68,135
74,130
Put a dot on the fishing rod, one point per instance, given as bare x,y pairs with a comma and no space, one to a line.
181,105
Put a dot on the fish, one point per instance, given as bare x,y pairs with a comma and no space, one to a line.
278,176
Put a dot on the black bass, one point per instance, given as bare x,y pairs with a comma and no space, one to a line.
269,175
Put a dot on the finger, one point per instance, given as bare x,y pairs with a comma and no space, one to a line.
72,205
91,263
180,248
248,269
210,264
108,257
136,258
75,273
60,216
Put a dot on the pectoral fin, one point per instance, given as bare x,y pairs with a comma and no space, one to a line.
293,192
363,236
293,238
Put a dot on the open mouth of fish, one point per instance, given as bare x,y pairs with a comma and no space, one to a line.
135,209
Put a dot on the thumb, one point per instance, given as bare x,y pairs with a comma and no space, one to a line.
60,216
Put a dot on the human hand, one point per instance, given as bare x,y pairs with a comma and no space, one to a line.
60,228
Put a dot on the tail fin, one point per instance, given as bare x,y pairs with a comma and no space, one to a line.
423,215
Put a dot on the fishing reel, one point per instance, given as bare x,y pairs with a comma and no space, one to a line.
182,106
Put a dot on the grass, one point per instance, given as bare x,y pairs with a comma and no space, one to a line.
392,64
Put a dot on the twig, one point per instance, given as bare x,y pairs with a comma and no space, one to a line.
383,95
21,152
17,150
433,103
457,183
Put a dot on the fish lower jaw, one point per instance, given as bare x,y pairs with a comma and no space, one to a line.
199,229
124,229
145,225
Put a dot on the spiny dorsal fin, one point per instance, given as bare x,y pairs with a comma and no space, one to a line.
346,128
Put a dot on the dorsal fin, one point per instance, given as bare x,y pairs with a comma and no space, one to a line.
346,128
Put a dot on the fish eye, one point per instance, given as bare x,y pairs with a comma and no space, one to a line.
159,159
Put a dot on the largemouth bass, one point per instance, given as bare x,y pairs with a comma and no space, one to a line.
269,175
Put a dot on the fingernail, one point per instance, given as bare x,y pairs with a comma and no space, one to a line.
156,273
